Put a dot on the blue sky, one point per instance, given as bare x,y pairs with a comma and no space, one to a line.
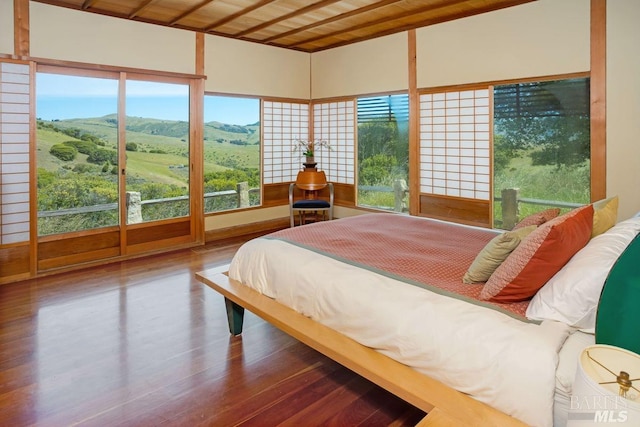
70,97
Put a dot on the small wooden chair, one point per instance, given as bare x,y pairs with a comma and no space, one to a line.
310,183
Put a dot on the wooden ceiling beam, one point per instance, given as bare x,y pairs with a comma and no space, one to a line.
88,3
140,8
302,11
332,19
190,11
379,21
238,14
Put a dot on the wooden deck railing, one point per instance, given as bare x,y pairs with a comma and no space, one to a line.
510,202
134,204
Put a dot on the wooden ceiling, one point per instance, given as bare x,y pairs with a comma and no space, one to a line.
304,25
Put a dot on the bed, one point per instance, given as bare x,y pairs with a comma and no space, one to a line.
432,340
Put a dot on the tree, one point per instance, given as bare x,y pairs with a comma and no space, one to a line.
377,170
377,137
550,120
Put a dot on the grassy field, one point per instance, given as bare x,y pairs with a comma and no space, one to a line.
548,182
162,147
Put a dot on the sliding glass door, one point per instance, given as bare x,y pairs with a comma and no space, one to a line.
113,162
77,152
157,150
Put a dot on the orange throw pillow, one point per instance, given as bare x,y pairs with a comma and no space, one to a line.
539,256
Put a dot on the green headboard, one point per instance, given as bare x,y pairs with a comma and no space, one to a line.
618,316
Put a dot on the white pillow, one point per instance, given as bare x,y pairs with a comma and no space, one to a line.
571,296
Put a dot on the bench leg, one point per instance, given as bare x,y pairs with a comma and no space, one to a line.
235,316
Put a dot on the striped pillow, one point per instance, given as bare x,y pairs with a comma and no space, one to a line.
538,218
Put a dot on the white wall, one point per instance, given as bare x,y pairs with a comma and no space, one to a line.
71,35
6,27
534,39
623,104
540,38
372,66
240,67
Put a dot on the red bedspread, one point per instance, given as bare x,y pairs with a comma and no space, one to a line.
424,252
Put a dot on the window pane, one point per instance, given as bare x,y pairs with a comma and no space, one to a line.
157,149
231,153
383,152
76,153
541,147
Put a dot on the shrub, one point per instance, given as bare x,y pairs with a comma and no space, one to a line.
83,168
101,155
84,147
65,153
131,146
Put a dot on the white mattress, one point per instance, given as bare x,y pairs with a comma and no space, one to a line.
502,361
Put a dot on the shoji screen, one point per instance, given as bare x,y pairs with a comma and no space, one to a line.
282,123
455,155
335,122
14,152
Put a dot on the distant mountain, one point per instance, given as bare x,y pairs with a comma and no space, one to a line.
106,127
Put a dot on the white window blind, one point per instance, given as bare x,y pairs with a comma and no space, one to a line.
282,123
335,122
14,152
455,154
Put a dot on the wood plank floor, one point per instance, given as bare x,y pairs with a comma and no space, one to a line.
142,343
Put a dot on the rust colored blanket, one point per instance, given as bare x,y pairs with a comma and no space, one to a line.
430,254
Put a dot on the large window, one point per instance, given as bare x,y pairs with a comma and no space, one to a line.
81,145
231,152
157,150
77,152
541,145
383,152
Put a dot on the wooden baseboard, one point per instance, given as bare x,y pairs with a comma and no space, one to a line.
238,233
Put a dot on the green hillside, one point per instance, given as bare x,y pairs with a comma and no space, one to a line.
164,141
77,163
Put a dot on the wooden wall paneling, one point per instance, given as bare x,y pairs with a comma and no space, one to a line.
598,99
62,245
344,194
465,211
275,194
151,232
77,259
159,246
58,251
14,262
278,194
227,235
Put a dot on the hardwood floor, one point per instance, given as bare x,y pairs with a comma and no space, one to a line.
142,343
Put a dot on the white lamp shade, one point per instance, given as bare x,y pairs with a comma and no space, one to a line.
593,403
